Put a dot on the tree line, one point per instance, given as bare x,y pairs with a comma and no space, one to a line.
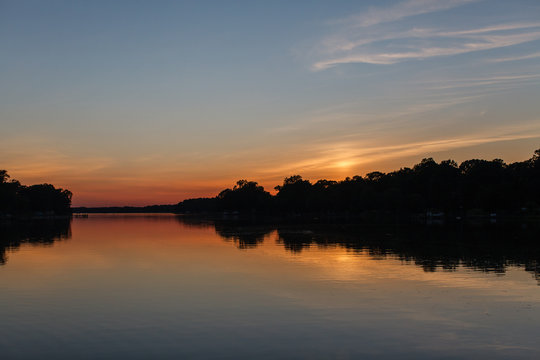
17,200
474,186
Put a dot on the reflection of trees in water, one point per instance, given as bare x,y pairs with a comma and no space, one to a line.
488,249
194,222
297,240
38,232
244,236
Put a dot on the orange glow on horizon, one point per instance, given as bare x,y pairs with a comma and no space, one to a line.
94,185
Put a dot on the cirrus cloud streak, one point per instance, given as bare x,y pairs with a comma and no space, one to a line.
381,36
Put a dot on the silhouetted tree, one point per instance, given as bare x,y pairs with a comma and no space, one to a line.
17,199
472,187
245,196
294,194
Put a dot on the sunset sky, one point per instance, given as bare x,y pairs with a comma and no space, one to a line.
152,102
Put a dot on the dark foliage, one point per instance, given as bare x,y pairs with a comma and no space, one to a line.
245,196
475,187
20,200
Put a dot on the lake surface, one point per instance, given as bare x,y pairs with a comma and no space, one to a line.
157,286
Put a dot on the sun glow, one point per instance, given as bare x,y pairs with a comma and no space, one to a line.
345,164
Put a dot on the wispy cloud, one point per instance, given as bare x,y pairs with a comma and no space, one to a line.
459,42
375,117
342,154
515,58
504,80
371,38
402,10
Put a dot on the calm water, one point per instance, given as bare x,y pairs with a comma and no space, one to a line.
140,287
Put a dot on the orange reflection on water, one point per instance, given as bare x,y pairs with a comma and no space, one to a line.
157,279
148,245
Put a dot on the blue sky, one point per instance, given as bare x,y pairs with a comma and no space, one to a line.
166,100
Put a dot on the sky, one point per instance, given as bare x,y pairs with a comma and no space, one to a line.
139,102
